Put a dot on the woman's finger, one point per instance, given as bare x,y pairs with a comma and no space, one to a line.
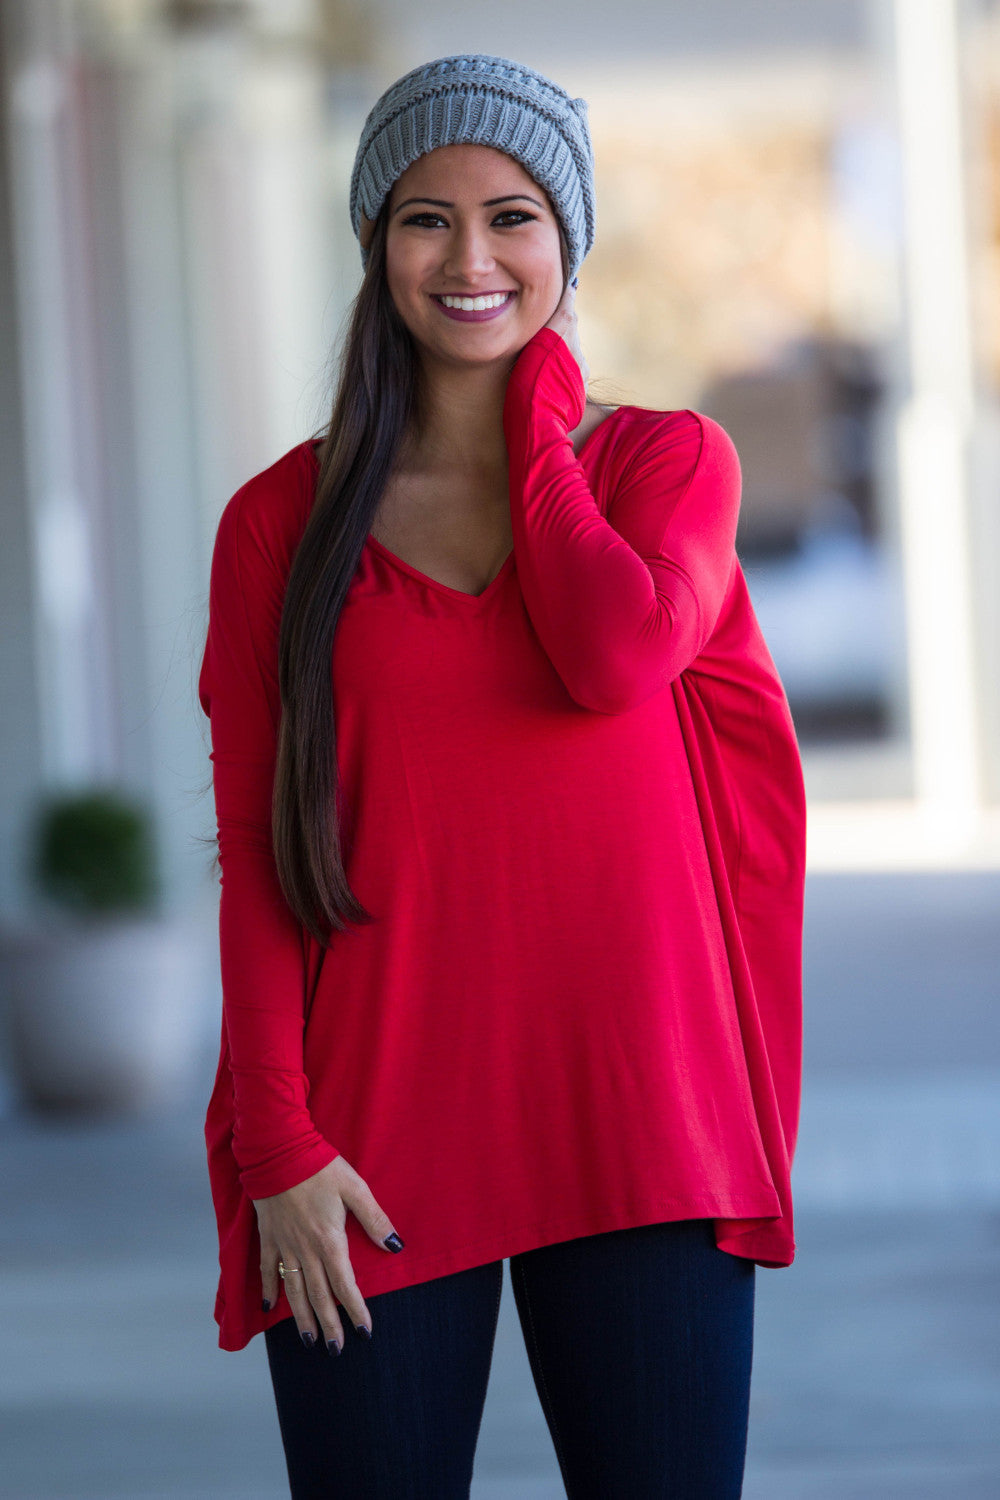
298,1300
340,1274
336,1266
323,1304
565,311
270,1281
564,322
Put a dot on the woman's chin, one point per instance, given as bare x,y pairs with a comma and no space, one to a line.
476,345
473,354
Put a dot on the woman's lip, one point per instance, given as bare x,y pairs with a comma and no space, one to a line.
482,316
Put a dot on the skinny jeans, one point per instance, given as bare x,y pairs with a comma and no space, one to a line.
640,1345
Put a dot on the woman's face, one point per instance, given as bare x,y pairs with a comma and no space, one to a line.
469,222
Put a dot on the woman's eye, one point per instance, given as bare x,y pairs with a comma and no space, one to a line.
512,216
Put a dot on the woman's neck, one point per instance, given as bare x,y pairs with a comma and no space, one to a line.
461,421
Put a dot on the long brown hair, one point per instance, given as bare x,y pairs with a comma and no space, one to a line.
375,396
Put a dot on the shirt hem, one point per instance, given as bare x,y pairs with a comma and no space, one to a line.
515,1242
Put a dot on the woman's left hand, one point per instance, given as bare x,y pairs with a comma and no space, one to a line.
563,321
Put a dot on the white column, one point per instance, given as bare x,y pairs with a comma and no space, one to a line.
261,255
935,417
55,288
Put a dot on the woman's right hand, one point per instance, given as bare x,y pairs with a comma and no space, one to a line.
306,1227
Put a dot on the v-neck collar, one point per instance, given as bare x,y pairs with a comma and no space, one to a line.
435,583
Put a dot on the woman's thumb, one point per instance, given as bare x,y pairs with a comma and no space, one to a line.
377,1225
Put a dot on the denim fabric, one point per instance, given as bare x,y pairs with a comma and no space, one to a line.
640,1343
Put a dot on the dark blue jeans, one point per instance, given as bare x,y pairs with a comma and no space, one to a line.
640,1343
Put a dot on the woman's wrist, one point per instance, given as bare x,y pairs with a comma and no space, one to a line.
546,377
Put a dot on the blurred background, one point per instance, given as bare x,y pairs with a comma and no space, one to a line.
798,233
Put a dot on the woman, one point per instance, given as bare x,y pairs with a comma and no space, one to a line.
511,832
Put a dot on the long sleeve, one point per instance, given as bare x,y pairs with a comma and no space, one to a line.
275,1142
622,604
747,776
757,760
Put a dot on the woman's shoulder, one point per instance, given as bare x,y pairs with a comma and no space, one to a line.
683,437
677,424
269,511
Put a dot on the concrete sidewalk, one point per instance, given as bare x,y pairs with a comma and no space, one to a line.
875,1373
877,1354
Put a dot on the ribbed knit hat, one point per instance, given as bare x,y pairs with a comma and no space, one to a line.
488,101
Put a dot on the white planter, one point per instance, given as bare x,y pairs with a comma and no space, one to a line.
103,1016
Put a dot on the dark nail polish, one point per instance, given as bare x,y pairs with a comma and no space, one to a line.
394,1243
332,1347
365,1333
308,1339
575,281
265,1305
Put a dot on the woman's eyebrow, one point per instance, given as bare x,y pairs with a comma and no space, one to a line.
488,203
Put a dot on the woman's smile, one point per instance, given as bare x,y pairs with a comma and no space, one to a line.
477,307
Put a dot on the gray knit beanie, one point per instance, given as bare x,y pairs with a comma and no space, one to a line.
489,101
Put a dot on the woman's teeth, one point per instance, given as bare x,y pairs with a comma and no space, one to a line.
476,304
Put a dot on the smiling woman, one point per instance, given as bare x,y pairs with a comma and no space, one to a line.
511,829
454,234
488,252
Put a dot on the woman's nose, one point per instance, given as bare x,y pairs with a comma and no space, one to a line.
469,252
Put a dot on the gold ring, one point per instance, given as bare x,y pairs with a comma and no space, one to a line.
284,1270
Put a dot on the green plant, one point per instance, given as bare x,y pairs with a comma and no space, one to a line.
94,853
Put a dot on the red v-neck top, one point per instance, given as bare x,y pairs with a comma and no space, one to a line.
576,813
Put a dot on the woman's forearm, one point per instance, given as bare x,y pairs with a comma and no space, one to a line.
621,604
262,959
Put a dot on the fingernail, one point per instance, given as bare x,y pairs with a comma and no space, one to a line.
575,281
265,1305
308,1339
332,1347
393,1242
365,1333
